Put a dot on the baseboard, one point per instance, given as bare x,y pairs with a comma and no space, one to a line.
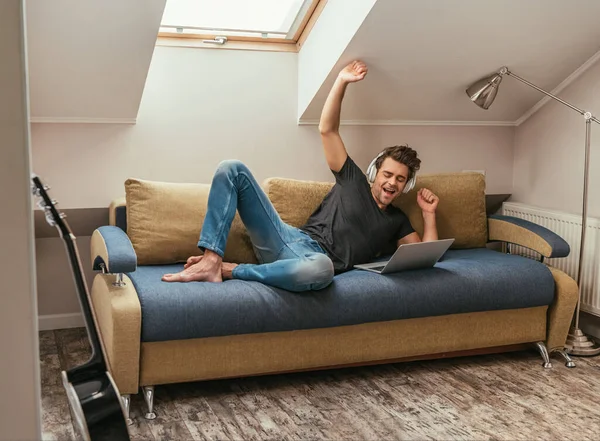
76,120
397,122
60,321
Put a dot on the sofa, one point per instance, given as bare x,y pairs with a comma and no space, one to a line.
478,298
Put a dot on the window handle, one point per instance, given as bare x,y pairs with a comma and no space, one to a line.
216,40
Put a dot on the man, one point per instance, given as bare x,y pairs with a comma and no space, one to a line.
352,225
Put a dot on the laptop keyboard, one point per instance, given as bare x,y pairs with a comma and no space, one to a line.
378,268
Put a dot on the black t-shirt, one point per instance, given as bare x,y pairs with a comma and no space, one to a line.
349,225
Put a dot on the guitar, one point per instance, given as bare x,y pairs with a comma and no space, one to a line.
93,396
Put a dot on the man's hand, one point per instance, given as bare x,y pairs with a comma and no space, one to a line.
354,72
192,261
427,200
329,126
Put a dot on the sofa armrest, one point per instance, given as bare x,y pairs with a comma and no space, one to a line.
527,234
112,249
118,317
560,312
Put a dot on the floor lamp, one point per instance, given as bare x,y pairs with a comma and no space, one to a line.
483,93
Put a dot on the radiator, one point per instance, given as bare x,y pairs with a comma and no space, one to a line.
568,226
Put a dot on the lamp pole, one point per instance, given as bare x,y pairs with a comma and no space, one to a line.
577,342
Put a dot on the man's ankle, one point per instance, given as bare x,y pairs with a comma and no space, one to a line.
211,256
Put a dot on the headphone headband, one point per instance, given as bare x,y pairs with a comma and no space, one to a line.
372,172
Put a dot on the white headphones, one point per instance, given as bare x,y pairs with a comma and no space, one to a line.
372,172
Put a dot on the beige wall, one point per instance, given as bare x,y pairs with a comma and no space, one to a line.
201,106
19,365
549,151
549,157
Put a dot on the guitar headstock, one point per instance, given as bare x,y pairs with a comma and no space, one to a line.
54,217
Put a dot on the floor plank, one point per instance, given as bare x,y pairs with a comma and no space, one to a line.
496,397
56,417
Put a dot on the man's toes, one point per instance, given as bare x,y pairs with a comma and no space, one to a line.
172,277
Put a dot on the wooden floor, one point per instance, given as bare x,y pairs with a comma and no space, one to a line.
504,397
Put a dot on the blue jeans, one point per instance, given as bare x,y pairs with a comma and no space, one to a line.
288,257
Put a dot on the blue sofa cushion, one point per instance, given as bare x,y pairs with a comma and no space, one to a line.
463,281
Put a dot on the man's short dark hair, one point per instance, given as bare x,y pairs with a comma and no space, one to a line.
403,154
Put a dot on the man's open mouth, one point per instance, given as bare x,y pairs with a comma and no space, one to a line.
388,191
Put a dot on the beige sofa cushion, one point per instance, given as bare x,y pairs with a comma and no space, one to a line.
164,222
461,213
295,200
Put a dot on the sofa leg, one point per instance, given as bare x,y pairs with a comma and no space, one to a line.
544,353
149,399
126,399
568,361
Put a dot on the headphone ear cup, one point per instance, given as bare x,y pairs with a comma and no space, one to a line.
410,184
372,173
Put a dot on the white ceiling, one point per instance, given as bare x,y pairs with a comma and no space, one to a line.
423,54
88,60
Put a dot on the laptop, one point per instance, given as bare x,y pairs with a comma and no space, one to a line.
410,256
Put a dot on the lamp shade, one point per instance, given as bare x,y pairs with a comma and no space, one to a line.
483,92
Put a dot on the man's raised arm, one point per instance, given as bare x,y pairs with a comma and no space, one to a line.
329,126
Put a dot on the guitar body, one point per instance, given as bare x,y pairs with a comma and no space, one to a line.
94,399
95,408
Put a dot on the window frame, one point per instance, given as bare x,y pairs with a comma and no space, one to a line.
248,42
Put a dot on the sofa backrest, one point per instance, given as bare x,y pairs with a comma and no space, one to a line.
117,213
461,212
164,222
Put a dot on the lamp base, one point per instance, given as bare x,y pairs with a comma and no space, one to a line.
579,344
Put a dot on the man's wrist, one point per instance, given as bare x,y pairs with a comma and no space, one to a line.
341,82
428,216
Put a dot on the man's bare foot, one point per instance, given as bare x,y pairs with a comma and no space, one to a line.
227,270
207,269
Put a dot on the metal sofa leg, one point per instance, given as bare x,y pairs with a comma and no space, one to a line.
544,353
126,399
568,361
149,399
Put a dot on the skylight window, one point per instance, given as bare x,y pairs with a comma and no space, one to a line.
272,20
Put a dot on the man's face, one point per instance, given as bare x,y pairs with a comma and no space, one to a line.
390,180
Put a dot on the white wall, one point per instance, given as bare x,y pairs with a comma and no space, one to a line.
442,149
19,359
201,106
549,151
326,42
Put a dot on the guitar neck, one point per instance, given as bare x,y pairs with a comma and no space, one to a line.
97,359
56,219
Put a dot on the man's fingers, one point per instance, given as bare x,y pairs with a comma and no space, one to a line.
427,195
358,66
192,260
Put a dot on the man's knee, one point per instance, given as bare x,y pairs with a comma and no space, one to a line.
316,271
231,166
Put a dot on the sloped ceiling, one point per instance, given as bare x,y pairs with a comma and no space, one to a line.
88,60
423,54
